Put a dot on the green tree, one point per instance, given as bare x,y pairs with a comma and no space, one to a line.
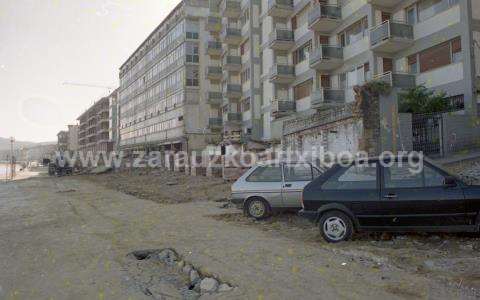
421,100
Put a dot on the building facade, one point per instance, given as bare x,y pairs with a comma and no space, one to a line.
62,141
163,95
73,138
94,127
234,72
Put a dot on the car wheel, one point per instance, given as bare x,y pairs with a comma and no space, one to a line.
335,227
258,208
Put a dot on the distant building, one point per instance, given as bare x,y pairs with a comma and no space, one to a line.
73,137
62,141
114,121
94,127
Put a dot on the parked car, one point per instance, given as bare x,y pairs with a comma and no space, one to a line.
271,186
372,197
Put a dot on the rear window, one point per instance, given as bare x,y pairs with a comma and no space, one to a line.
266,174
355,177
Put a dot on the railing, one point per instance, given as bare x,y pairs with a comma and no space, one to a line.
328,96
234,117
318,119
390,29
282,70
211,20
230,59
324,11
229,31
285,3
214,45
229,5
214,70
326,52
234,88
282,106
215,122
281,35
215,95
398,80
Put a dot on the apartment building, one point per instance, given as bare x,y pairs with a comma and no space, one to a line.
94,126
315,52
168,86
62,141
73,137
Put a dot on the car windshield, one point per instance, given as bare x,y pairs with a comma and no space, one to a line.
463,179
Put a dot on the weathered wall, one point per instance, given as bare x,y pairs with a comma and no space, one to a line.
460,133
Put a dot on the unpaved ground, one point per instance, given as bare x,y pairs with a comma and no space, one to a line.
163,186
67,238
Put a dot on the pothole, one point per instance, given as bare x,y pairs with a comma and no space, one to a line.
163,273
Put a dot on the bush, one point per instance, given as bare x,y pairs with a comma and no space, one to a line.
421,100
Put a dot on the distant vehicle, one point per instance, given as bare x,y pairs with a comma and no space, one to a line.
392,197
268,186
59,167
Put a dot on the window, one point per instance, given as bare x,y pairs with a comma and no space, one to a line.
300,54
412,15
354,33
294,22
358,176
266,174
302,90
297,172
456,102
402,177
436,57
246,105
432,177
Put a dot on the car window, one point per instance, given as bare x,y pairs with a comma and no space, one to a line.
358,176
402,176
297,172
317,172
266,174
433,177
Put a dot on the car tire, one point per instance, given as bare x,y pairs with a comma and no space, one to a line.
257,208
335,226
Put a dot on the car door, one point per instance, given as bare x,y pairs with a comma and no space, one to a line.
266,181
357,187
295,177
413,198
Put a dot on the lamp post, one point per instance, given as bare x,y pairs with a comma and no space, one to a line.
12,159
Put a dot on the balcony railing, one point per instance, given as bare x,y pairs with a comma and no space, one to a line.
281,107
214,24
326,57
230,8
386,3
234,117
282,73
232,63
214,73
233,90
231,35
215,122
391,36
325,98
397,80
214,48
280,8
214,98
281,39
324,18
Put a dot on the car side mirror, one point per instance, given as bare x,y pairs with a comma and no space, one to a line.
449,182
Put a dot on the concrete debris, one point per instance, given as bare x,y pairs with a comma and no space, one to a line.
224,287
100,170
194,277
187,269
208,285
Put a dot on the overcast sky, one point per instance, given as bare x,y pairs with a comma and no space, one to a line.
44,43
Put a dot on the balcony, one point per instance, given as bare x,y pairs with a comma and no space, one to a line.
215,123
281,39
234,117
327,98
214,48
214,24
386,3
233,91
281,108
282,74
324,18
232,63
214,73
214,98
397,80
231,35
391,37
326,58
230,9
280,8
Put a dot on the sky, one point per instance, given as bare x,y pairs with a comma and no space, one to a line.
45,43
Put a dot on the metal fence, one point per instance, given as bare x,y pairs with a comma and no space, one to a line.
427,133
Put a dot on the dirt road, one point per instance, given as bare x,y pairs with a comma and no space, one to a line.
67,238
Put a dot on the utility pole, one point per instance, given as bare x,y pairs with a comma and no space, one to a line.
12,159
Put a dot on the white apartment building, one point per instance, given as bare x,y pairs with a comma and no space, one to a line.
235,70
